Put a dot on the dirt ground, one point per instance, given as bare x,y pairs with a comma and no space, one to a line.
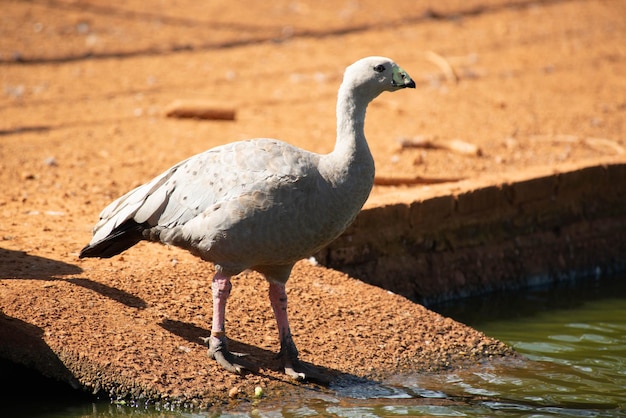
85,85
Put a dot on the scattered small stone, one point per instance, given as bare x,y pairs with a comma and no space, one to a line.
51,162
83,28
91,40
15,91
54,213
234,392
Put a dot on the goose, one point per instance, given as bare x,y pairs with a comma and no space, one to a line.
259,204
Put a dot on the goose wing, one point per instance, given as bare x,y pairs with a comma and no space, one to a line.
226,184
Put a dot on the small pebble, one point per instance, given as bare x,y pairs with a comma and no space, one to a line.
83,28
233,392
51,162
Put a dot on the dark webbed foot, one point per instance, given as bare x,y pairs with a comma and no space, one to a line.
233,362
296,369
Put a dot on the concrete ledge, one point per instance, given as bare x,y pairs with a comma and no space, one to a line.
517,233
130,330
141,344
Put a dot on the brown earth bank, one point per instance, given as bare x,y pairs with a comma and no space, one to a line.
530,88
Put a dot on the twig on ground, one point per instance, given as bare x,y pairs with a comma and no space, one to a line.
455,145
444,64
410,181
601,144
199,109
598,144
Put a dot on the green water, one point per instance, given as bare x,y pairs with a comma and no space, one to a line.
573,334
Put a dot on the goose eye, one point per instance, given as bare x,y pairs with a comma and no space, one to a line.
379,68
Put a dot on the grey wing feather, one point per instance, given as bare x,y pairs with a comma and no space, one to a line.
125,207
206,181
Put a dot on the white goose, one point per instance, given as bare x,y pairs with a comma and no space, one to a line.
260,204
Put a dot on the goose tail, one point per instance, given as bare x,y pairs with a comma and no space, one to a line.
120,239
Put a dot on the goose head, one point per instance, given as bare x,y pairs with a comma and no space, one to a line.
373,75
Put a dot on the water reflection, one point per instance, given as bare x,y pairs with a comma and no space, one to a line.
575,336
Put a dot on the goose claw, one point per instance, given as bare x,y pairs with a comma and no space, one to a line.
296,369
233,362
301,372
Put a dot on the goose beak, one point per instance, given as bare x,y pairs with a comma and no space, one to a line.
400,79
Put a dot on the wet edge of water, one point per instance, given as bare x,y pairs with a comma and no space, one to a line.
399,395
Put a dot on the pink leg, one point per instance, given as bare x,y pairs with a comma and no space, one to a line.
278,299
217,342
288,351
221,291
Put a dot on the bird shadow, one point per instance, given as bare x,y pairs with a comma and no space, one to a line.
113,293
20,265
257,355
196,335
23,344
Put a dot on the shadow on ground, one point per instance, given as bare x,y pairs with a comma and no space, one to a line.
22,343
255,355
24,266
21,265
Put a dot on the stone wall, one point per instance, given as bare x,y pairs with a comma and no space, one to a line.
519,233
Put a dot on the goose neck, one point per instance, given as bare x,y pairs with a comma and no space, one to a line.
350,120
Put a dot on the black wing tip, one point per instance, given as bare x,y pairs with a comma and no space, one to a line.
119,240
98,250
108,248
85,253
